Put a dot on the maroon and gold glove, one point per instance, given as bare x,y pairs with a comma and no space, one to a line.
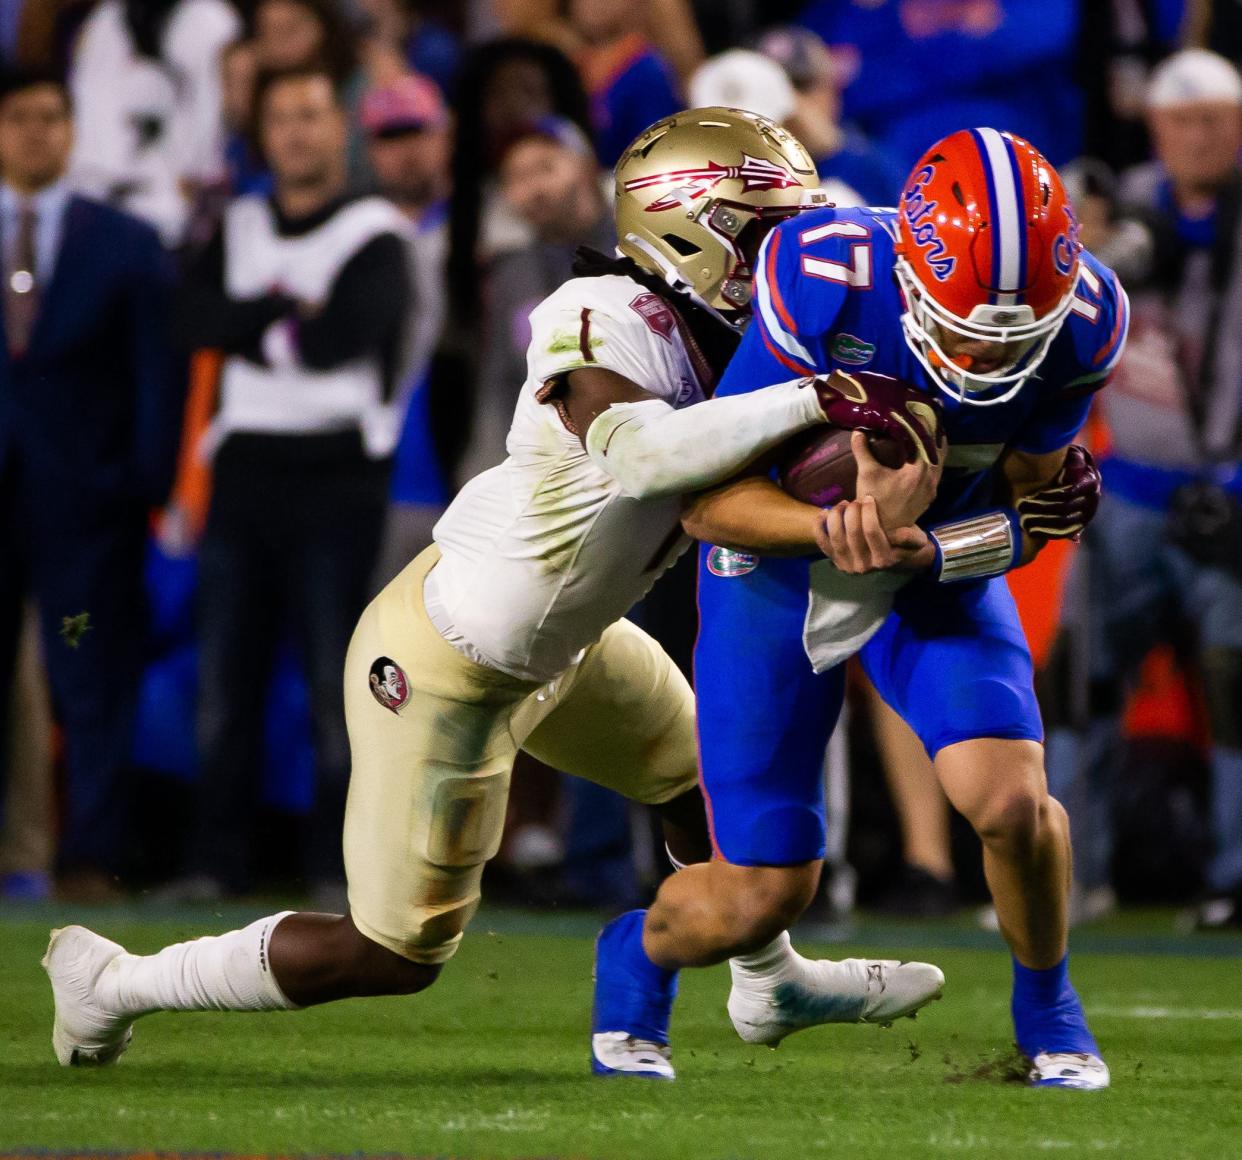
884,406
1066,506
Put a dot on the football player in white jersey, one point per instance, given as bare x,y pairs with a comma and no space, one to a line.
508,633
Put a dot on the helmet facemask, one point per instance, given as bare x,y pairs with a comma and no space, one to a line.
986,257
1025,337
697,192
740,230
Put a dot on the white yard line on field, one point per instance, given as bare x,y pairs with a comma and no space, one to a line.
1162,1013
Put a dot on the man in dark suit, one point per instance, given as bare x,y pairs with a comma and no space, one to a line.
90,408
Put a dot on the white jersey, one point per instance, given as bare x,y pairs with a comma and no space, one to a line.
543,552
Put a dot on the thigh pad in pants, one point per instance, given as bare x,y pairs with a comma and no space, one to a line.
432,752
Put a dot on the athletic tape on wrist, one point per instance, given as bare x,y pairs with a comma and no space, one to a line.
988,544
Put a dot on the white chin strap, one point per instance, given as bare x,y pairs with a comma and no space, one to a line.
923,318
960,385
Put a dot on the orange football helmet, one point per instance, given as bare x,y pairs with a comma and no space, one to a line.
987,250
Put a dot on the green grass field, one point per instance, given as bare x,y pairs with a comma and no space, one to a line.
492,1061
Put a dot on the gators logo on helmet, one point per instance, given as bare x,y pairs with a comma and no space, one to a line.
988,251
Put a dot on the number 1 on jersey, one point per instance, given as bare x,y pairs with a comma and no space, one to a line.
857,271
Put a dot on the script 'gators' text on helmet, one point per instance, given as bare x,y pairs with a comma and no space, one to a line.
988,250
697,192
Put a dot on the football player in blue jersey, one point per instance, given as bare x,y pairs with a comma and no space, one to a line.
977,292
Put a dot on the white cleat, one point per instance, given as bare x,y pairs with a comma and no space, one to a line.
617,1053
83,1034
823,991
1065,1069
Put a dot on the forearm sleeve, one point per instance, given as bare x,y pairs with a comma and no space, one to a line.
365,310
204,315
652,450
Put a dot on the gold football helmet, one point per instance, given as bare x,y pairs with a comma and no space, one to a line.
697,192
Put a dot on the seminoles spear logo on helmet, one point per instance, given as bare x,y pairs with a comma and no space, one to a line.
696,222
690,184
988,250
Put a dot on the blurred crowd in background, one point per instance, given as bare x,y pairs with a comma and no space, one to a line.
267,272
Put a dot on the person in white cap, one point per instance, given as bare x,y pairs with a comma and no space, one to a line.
742,79
1194,116
1166,545
842,152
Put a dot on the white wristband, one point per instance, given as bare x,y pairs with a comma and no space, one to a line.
987,544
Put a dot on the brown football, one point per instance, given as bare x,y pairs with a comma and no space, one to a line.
818,466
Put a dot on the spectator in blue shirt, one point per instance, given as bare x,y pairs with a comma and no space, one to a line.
842,153
409,32
926,68
630,85
90,414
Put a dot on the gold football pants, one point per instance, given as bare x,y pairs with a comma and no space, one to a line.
433,738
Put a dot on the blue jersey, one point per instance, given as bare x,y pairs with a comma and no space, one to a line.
951,659
826,299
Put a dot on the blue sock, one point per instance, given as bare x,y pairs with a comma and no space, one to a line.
1047,1013
632,993
627,943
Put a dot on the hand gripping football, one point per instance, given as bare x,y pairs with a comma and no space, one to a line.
902,424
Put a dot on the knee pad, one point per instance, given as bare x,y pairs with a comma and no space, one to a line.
463,832
422,916
467,819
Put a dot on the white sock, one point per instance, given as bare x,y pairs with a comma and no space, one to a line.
228,972
768,965
673,859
